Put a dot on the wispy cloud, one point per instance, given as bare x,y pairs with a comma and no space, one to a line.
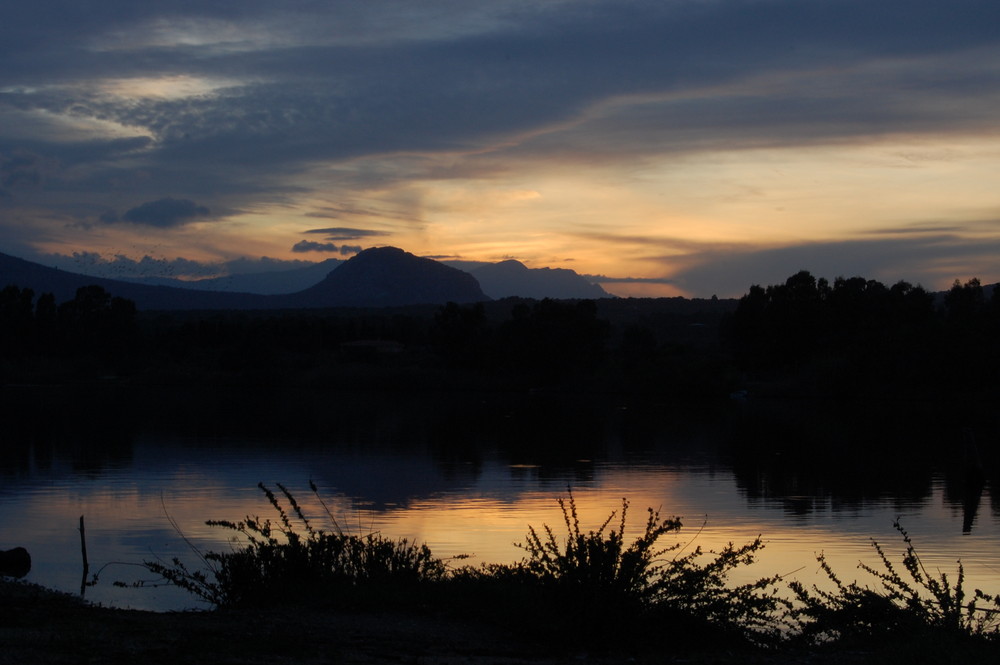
344,233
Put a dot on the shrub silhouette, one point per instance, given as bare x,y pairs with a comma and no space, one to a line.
593,588
596,583
292,562
909,604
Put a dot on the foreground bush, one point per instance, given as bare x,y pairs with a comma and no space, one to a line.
292,562
916,603
597,587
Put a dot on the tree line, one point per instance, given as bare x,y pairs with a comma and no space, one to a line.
862,332
92,322
849,335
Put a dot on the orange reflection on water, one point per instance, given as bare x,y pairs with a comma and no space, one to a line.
156,510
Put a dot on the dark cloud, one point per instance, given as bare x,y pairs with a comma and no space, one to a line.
531,69
165,213
604,279
310,246
20,170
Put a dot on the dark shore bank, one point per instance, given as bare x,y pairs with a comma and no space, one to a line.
42,626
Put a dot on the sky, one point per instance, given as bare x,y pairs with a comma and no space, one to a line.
670,147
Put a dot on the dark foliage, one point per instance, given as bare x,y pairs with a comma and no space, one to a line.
592,589
93,325
292,562
596,589
907,604
860,335
857,322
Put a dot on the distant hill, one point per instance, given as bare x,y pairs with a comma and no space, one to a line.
63,286
513,279
272,282
389,277
380,277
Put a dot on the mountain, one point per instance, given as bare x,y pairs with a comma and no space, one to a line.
380,277
63,286
272,282
513,278
389,277
497,280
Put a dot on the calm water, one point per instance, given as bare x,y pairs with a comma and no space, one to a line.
148,498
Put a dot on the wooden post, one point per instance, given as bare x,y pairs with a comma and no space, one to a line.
83,550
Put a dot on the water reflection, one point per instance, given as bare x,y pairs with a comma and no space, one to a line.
469,478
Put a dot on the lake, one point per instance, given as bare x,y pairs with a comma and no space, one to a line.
469,485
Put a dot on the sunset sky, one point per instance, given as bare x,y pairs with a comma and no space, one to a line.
695,146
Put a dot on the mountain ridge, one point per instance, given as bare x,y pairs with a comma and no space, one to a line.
272,282
378,277
505,279
284,288
512,278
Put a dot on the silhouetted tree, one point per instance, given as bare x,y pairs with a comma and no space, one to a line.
96,321
46,322
965,302
16,320
779,324
969,356
852,332
46,311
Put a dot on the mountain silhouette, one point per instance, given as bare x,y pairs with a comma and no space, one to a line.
389,277
269,282
378,277
498,280
63,285
513,278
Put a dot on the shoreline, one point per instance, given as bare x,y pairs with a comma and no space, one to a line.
38,625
